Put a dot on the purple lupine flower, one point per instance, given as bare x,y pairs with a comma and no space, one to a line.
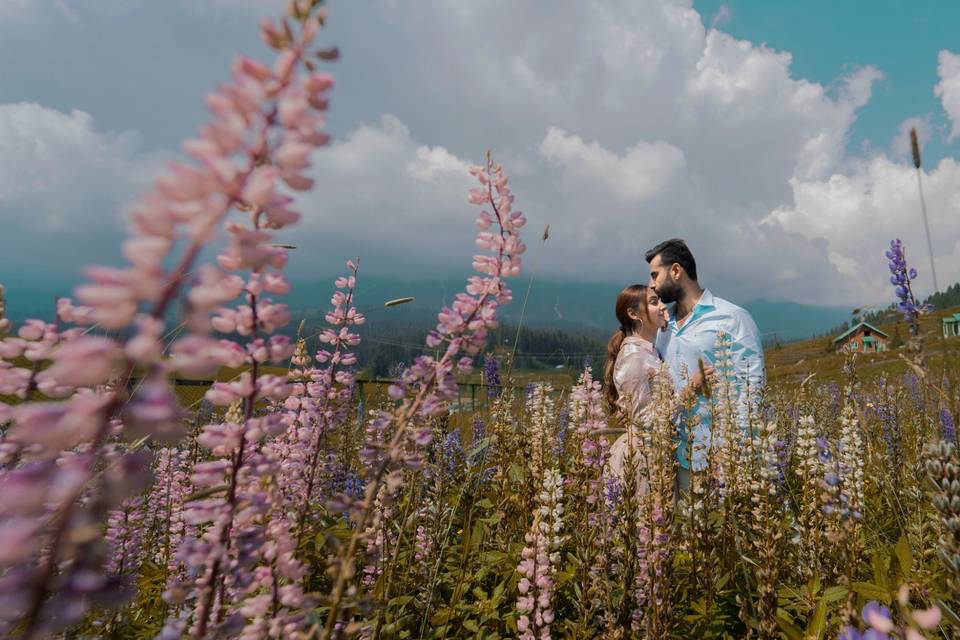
479,457
889,427
563,431
912,383
451,451
823,449
396,371
832,393
479,429
836,497
947,428
782,448
491,375
901,280
613,492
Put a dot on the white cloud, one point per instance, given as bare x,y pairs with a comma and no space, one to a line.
389,199
948,89
722,16
645,169
59,174
901,147
859,211
620,123
638,124
10,9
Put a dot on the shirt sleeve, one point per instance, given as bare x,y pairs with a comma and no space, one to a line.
747,351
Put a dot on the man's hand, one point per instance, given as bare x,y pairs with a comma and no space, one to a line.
701,381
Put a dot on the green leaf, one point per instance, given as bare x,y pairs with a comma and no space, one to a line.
442,616
904,556
471,625
949,614
818,622
724,579
833,594
789,629
871,591
480,447
881,569
399,601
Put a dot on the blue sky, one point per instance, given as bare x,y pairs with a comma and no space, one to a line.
770,135
827,38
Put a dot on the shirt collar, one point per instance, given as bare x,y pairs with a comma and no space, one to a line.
705,303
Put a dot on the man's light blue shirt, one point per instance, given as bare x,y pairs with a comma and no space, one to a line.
697,338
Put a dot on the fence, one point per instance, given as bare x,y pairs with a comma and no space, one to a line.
465,390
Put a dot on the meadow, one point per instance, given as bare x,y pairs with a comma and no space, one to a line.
284,501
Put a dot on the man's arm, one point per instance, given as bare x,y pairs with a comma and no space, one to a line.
747,351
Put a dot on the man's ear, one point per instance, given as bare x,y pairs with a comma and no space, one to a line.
676,271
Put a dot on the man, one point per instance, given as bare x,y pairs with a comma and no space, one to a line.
694,321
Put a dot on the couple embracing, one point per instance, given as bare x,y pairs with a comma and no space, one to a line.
684,337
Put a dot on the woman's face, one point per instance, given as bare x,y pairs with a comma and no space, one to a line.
656,310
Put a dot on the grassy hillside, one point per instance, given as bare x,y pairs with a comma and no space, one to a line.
791,363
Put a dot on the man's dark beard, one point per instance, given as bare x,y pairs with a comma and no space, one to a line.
670,291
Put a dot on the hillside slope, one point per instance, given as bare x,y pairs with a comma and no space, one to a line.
789,364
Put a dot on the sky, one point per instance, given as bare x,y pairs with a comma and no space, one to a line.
772,136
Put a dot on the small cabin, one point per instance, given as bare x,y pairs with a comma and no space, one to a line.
862,338
951,326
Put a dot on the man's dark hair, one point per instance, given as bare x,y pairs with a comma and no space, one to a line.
674,250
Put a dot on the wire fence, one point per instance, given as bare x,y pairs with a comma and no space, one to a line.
468,393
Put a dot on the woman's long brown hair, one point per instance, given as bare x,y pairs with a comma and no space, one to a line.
632,297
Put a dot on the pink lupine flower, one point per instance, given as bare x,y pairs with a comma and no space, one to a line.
430,383
153,411
86,361
325,396
125,536
538,560
171,224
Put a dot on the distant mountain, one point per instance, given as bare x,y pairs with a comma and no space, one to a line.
571,306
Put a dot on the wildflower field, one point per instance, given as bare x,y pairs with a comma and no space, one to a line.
279,502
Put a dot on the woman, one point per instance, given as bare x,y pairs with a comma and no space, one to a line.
632,361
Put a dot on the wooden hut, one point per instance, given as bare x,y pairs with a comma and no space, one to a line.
862,338
951,325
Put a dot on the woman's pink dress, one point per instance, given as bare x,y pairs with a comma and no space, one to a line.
636,361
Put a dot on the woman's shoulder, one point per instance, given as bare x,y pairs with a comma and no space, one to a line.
637,351
633,346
